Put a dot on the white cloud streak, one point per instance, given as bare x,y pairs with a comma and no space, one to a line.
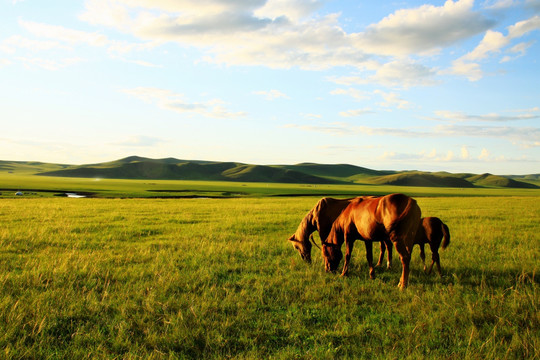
271,94
64,34
492,43
456,116
523,136
169,100
425,29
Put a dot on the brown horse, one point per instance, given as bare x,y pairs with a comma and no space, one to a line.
320,219
394,217
431,231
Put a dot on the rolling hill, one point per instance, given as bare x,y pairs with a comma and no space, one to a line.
135,167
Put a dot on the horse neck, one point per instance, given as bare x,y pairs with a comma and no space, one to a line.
305,228
336,235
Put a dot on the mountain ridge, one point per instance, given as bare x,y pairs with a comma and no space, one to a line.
136,167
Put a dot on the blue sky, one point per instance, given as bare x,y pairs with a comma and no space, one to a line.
439,85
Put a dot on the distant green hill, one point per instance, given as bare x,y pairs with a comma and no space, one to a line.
136,167
499,181
173,169
29,167
422,179
336,171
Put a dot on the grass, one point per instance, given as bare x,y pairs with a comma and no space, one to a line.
41,186
216,278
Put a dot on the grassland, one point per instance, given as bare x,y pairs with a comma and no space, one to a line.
139,168
216,278
40,186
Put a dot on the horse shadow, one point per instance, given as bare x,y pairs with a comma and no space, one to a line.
465,276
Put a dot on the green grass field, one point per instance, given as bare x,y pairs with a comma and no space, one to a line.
42,186
216,278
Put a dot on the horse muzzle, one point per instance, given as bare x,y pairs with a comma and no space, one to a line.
306,257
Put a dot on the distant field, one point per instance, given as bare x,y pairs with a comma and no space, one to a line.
225,173
216,278
42,186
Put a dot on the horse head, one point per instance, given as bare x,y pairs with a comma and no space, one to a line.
303,246
332,256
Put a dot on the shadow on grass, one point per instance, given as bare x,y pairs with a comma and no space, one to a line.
469,277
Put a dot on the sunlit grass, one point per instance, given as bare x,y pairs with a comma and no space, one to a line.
43,186
216,278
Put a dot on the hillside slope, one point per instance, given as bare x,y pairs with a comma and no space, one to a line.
422,179
173,169
135,167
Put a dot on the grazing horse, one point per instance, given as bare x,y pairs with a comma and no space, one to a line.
432,231
320,219
394,217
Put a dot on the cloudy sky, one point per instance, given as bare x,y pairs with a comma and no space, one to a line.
438,85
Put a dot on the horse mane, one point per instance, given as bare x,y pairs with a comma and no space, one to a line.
335,236
306,226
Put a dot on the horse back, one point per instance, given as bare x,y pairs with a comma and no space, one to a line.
398,209
361,219
432,228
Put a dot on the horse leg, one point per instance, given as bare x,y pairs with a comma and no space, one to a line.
381,254
437,260
389,246
405,257
369,256
423,256
349,246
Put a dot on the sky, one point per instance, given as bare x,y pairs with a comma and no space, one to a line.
394,85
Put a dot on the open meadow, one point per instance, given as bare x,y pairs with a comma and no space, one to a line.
217,278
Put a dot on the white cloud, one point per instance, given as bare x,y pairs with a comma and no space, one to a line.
396,73
352,92
444,115
492,43
312,116
424,30
14,42
471,71
139,141
522,136
64,34
291,9
484,155
392,99
356,112
501,4
272,94
519,50
525,137
422,156
283,34
465,153
169,100
49,64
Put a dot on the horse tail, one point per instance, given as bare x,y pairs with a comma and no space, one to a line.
446,233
